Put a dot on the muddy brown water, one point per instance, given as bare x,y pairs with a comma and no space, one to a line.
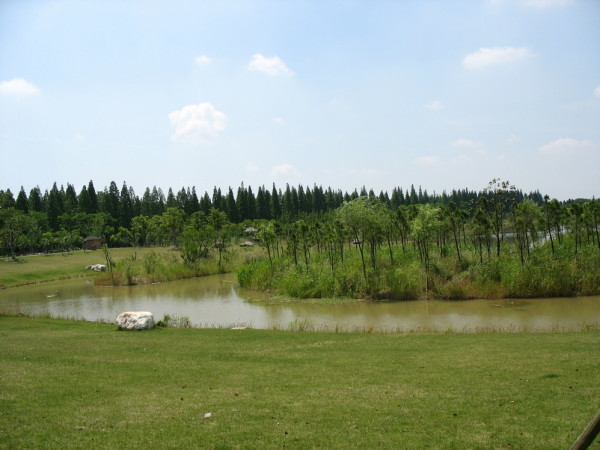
217,301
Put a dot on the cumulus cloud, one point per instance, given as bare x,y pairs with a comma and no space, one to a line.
271,66
197,123
285,170
18,87
427,160
435,104
486,57
565,147
202,60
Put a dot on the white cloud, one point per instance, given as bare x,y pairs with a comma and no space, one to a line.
427,160
468,143
202,60
485,57
279,121
271,66
565,147
18,87
597,91
285,170
251,167
197,123
436,104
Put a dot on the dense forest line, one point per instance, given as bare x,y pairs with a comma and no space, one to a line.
59,219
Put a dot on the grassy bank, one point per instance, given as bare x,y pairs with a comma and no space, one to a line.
89,385
160,266
131,266
39,268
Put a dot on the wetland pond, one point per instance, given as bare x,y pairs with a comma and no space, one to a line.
217,301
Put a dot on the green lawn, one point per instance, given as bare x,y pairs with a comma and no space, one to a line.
85,385
36,268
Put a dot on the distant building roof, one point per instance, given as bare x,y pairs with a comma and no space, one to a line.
93,238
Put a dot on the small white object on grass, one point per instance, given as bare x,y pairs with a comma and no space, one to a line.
207,415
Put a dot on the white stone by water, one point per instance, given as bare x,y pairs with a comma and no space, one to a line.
135,320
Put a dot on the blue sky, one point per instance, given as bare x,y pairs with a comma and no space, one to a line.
377,93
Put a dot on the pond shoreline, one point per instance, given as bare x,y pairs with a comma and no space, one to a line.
272,297
218,302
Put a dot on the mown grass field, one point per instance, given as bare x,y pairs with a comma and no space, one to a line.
67,384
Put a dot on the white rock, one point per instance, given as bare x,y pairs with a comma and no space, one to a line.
135,320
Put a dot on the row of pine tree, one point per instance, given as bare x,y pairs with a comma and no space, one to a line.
243,204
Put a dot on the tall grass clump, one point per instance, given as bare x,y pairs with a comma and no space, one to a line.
348,283
544,278
403,283
284,277
588,281
257,274
314,283
459,288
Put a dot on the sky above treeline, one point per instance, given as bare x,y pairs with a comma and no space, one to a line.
382,94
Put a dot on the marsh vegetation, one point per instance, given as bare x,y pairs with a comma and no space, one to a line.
502,247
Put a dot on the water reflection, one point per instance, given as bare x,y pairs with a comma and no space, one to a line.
216,301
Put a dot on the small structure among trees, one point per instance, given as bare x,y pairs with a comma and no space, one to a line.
252,234
92,243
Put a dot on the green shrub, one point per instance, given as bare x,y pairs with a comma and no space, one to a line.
299,283
169,321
